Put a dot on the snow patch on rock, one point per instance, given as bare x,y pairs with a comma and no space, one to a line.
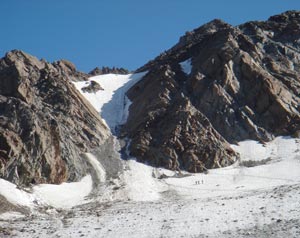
111,102
65,195
186,66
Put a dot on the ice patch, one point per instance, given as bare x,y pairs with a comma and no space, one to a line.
100,172
186,66
127,104
280,147
252,150
15,195
140,183
65,195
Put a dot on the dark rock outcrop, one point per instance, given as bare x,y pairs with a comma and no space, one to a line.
93,87
45,124
107,70
244,84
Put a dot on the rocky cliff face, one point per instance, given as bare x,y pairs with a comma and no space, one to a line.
45,124
243,83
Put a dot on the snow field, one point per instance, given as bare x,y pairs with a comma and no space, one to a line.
65,195
236,201
111,103
282,169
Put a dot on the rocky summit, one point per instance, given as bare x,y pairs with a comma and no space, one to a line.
45,123
219,84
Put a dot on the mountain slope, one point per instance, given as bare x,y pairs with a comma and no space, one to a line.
256,197
219,84
45,122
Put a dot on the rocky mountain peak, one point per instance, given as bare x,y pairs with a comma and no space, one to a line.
242,81
196,35
19,57
188,43
288,16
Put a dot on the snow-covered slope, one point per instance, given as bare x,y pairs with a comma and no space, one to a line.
256,197
111,102
113,105
238,201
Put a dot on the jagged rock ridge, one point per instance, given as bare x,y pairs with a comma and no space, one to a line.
45,124
244,84
107,70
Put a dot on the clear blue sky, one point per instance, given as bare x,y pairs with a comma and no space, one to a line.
122,33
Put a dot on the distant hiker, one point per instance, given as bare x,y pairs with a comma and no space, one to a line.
198,182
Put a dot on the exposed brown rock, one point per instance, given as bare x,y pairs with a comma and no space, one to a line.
167,130
45,124
244,84
68,69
